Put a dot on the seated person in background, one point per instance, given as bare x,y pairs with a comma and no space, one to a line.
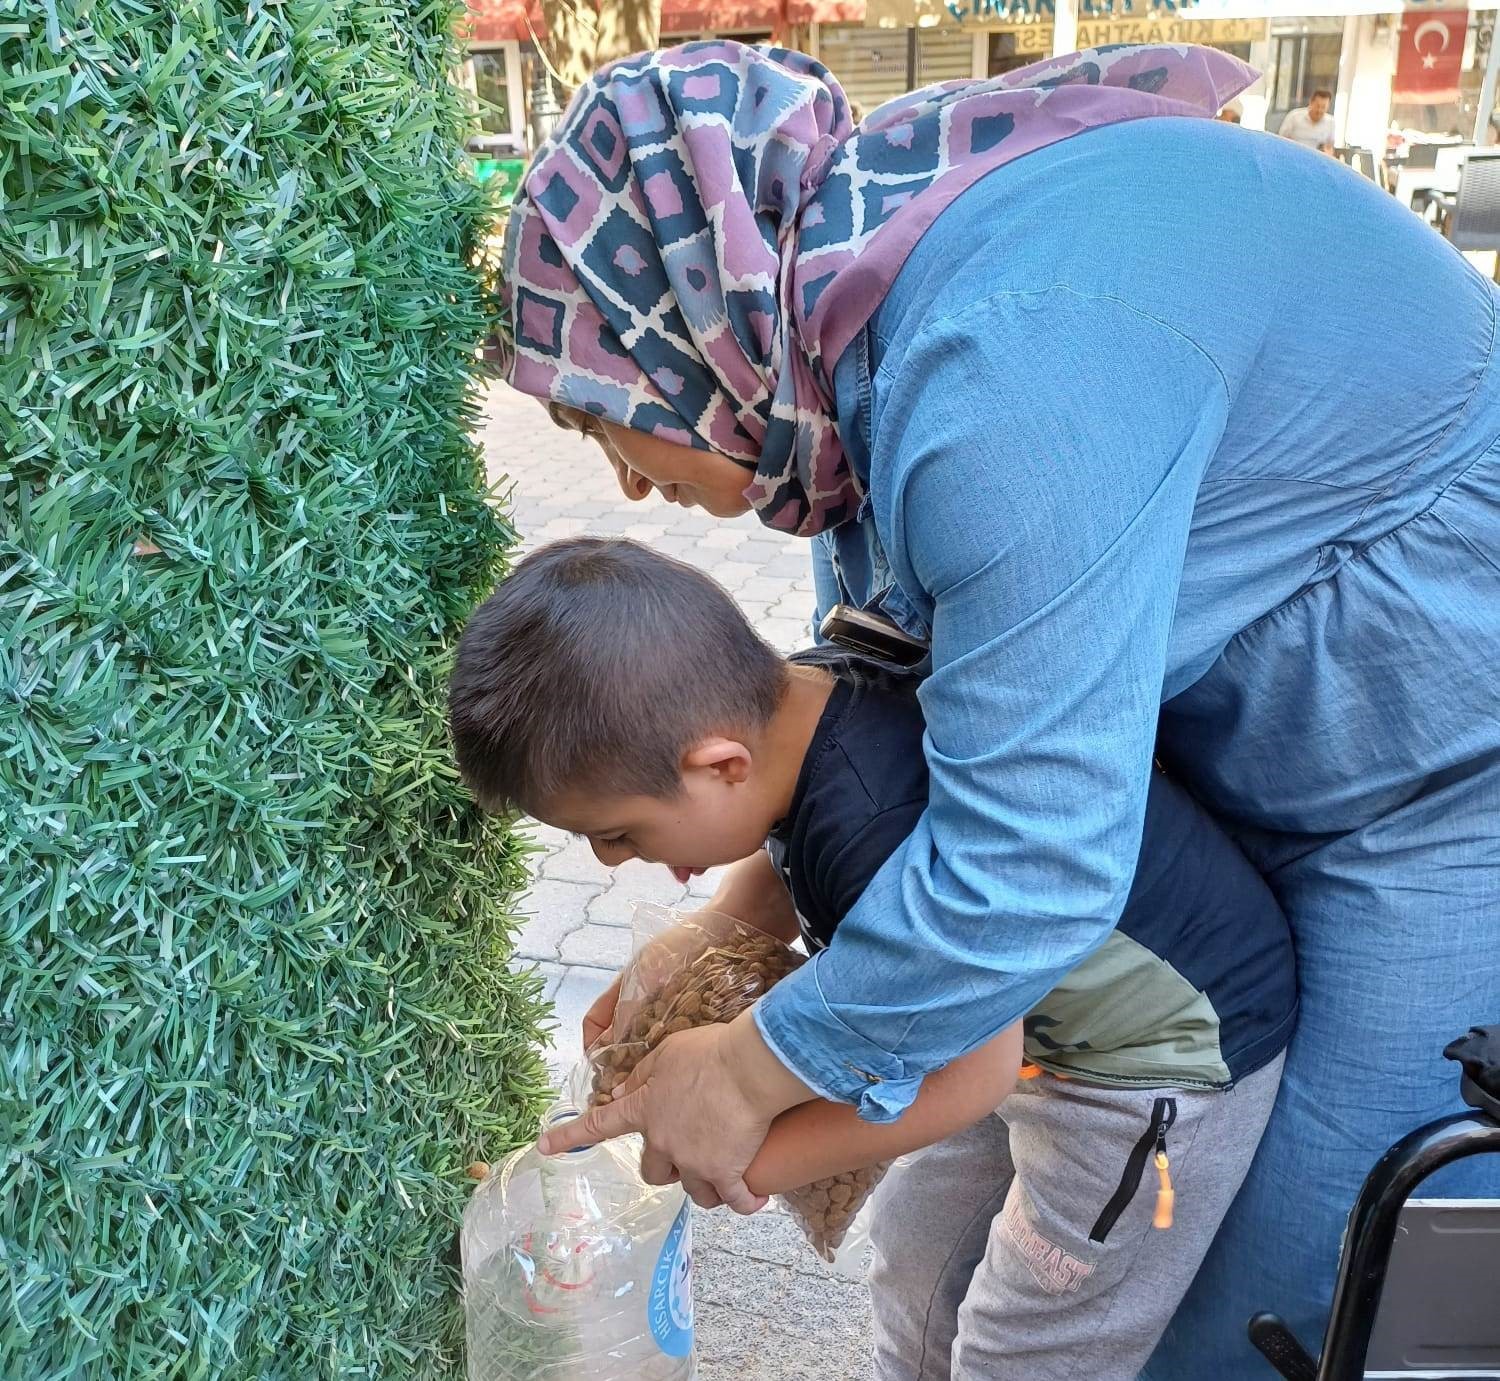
618,694
1312,127
1232,114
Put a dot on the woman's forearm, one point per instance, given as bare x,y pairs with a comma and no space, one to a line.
818,1139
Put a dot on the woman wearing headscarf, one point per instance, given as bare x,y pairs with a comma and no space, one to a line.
1164,439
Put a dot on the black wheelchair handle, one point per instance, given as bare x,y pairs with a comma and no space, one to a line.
1367,1249
1279,1346
1373,1220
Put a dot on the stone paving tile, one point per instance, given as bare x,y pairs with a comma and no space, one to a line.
788,1295
789,564
794,605
766,1236
644,532
551,910
574,862
755,611
727,537
598,946
735,573
706,884
764,1322
574,996
768,1310
614,908
649,882
761,589
638,883
785,635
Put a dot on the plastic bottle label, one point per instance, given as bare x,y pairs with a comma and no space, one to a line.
671,1307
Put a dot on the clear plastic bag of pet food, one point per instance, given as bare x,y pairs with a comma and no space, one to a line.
696,969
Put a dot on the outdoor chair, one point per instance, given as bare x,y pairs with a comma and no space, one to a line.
1415,1292
1429,170
1474,221
1363,161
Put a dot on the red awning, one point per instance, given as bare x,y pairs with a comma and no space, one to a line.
694,16
825,11
495,21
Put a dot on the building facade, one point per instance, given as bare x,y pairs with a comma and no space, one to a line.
1418,70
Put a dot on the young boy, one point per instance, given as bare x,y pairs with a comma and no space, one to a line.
613,692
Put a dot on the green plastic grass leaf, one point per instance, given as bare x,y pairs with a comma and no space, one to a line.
255,1010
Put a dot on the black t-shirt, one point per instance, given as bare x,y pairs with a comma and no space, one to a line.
1196,986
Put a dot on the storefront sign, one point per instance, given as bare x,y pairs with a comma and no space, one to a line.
1166,29
982,11
1030,40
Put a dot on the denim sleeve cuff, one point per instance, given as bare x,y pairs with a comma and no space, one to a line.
836,1062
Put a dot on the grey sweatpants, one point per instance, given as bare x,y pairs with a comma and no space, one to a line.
1024,1247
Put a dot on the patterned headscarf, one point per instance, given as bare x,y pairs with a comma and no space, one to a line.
705,232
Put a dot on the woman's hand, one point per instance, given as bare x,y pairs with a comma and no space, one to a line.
703,1100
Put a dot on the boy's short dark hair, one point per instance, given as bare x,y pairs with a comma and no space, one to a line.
595,666
1322,91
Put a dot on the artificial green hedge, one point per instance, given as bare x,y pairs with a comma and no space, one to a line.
254,1010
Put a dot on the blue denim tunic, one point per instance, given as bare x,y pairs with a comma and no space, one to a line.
1181,439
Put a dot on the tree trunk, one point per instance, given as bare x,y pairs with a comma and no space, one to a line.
582,36
626,27
572,30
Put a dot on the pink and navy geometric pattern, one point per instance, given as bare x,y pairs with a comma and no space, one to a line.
706,231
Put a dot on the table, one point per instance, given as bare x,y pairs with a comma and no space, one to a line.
1443,178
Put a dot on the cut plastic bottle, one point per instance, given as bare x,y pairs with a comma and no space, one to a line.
575,1269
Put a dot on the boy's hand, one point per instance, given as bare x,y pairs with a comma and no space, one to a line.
601,1015
751,892
704,1101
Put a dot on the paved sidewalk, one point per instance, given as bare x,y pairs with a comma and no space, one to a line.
769,1310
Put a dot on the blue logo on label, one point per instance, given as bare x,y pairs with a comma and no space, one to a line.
671,1305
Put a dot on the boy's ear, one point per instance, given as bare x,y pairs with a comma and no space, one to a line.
726,758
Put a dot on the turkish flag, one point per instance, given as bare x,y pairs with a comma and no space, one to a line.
1430,58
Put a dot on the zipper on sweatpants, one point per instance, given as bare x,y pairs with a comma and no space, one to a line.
1154,1138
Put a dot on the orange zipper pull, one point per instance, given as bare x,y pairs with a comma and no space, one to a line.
1166,1196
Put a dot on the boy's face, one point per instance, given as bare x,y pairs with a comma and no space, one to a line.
719,816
